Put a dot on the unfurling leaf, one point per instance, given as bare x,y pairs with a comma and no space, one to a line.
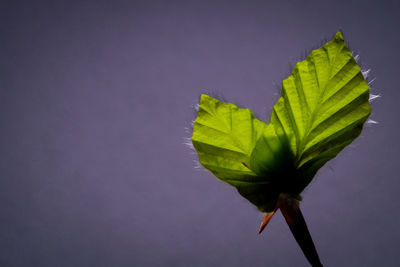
322,108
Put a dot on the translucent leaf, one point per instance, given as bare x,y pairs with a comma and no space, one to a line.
224,137
322,108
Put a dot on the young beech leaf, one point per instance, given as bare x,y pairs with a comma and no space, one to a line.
224,137
322,108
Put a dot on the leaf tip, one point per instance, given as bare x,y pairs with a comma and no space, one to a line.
204,97
338,36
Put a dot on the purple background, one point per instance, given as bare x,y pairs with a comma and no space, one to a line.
94,99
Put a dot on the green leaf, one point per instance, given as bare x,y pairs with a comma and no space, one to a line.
224,137
322,108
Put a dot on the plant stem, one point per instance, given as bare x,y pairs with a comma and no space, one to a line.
290,209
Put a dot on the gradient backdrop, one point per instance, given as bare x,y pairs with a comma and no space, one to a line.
94,99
